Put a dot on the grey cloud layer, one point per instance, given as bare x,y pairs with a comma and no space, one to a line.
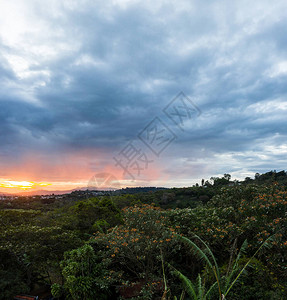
115,68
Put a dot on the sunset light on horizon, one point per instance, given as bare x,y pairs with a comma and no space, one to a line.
25,185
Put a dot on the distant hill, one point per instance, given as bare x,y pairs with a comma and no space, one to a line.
136,190
133,190
41,192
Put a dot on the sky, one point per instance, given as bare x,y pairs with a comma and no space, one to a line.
140,93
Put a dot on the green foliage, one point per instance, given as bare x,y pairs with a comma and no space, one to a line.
130,236
244,212
84,214
262,278
223,283
33,248
134,249
57,290
127,200
12,276
83,274
17,217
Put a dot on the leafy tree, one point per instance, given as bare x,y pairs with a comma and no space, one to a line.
84,276
37,250
12,275
227,176
84,214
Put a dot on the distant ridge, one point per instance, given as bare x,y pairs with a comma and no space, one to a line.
45,192
128,190
42,192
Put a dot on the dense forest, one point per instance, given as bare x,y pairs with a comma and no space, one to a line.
220,239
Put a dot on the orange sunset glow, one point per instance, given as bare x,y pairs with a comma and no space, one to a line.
74,170
23,185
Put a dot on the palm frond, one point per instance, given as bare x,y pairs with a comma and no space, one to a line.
201,254
210,290
188,285
197,251
235,264
264,245
200,287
